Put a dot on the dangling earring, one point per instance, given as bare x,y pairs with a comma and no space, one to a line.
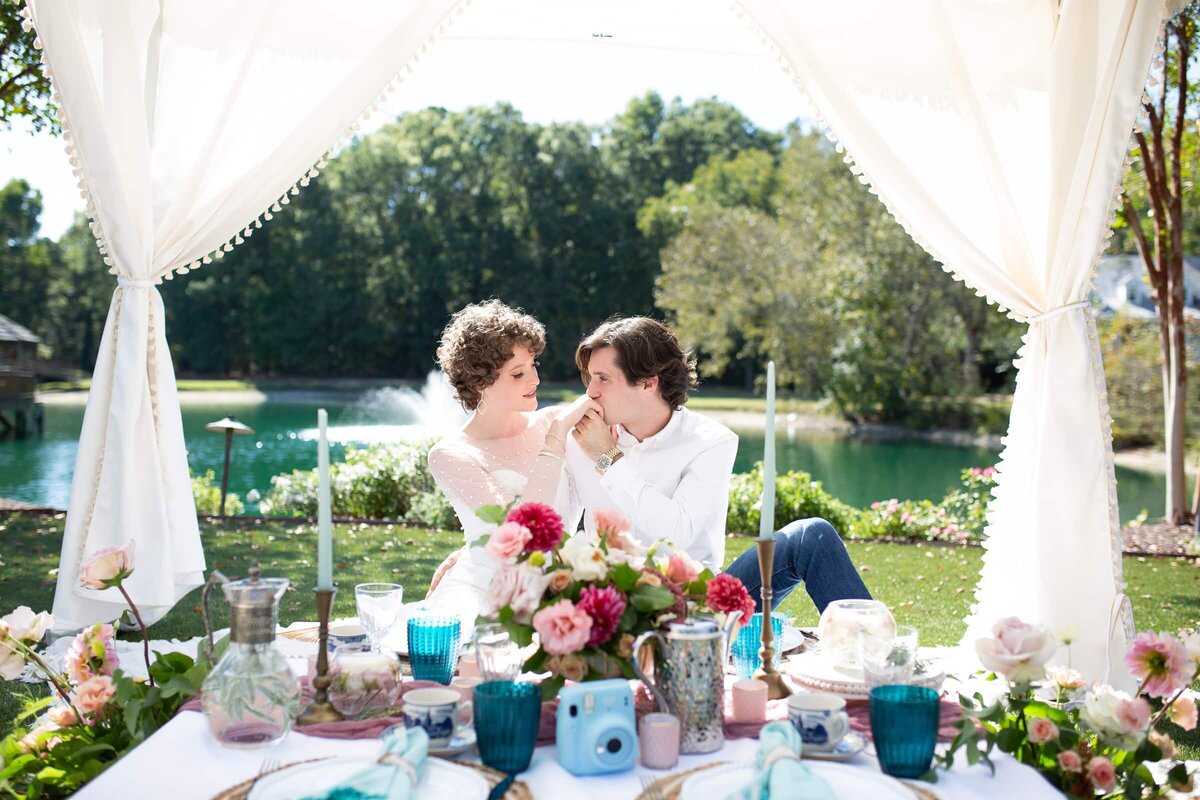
482,407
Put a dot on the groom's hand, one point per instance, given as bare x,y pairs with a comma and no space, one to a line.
594,437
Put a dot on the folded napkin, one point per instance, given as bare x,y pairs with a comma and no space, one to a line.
393,777
781,776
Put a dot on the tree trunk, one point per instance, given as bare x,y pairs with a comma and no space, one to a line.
972,381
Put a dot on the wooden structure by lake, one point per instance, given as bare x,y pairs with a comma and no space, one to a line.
20,415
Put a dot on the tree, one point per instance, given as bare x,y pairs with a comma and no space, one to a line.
1152,205
25,260
24,88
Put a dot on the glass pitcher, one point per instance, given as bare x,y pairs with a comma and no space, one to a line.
251,697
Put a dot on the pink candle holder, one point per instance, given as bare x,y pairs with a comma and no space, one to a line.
749,701
658,738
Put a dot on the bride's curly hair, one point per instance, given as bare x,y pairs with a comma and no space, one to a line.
479,340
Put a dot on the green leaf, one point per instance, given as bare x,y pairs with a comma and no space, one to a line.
646,598
491,513
521,634
1009,739
625,577
551,685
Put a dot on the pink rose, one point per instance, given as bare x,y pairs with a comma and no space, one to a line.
92,696
1183,712
520,587
682,569
1042,730
1069,761
1017,651
39,739
1134,715
1102,774
563,628
62,716
508,541
107,567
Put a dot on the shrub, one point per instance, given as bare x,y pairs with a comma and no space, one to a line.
206,491
797,496
378,482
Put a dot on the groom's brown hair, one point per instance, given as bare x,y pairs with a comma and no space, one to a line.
645,348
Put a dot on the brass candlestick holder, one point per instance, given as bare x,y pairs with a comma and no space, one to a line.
320,709
767,673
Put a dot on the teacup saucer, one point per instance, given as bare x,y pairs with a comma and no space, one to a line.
461,743
851,745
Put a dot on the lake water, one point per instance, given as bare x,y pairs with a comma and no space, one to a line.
856,471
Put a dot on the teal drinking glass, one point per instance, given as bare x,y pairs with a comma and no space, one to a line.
904,724
749,642
433,647
507,714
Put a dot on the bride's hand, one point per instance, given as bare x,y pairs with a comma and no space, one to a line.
568,416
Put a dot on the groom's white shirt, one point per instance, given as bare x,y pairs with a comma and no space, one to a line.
673,485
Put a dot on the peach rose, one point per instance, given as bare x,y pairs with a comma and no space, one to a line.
1066,678
610,521
648,579
1017,650
571,666
1183,712
1069,761
38,739
1102,774
1042,730
25,626
1164,743
563,628
92,696
625,645
107,567
508,541
62,716
560,579
682,569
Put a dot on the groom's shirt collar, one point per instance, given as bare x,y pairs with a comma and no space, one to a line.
626,440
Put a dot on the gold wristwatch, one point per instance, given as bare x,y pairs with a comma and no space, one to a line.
606,460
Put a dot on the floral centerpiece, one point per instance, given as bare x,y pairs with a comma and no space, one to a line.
588,596
1086,739
95,713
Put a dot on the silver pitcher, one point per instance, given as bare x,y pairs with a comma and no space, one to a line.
689,669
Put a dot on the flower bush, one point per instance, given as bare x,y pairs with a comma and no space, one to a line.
1084,739
389,481
206,491
589,596
96,714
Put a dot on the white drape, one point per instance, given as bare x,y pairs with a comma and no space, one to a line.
995,132
188,123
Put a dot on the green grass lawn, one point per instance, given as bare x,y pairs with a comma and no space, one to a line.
927,587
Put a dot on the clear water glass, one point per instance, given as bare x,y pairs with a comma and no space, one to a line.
888,659
379,606
497,655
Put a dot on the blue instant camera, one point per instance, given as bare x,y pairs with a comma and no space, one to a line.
596,732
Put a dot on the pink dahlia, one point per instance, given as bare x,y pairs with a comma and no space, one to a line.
1161,662
605,606
544,524
727,594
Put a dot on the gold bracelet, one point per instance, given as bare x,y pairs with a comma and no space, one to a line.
561,443
546,451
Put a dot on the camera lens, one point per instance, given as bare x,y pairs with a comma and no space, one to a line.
614,745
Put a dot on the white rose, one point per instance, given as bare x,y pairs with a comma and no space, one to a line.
1101,713
1018,651
585,559
26,626
12,664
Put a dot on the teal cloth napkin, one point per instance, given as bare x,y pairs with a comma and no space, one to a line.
781,776
393,777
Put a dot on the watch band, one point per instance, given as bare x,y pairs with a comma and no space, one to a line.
607,459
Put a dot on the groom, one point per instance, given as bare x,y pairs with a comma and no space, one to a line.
668,469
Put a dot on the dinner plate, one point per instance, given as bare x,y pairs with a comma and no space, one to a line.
790,640
847,782
813,670
440,780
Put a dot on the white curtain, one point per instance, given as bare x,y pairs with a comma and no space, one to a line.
188,124
996,132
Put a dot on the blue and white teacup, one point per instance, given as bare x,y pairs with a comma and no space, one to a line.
820,718
441,712
346,633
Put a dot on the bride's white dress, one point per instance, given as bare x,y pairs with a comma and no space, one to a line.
478,472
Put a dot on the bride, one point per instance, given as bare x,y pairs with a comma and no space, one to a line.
508,448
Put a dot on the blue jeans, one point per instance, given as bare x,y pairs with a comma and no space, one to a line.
807,551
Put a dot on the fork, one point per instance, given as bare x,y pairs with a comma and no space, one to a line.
267,765
649,790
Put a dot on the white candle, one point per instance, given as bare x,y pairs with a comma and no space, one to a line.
766,525
324,510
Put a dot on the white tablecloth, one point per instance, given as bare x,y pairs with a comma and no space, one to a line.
184,762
